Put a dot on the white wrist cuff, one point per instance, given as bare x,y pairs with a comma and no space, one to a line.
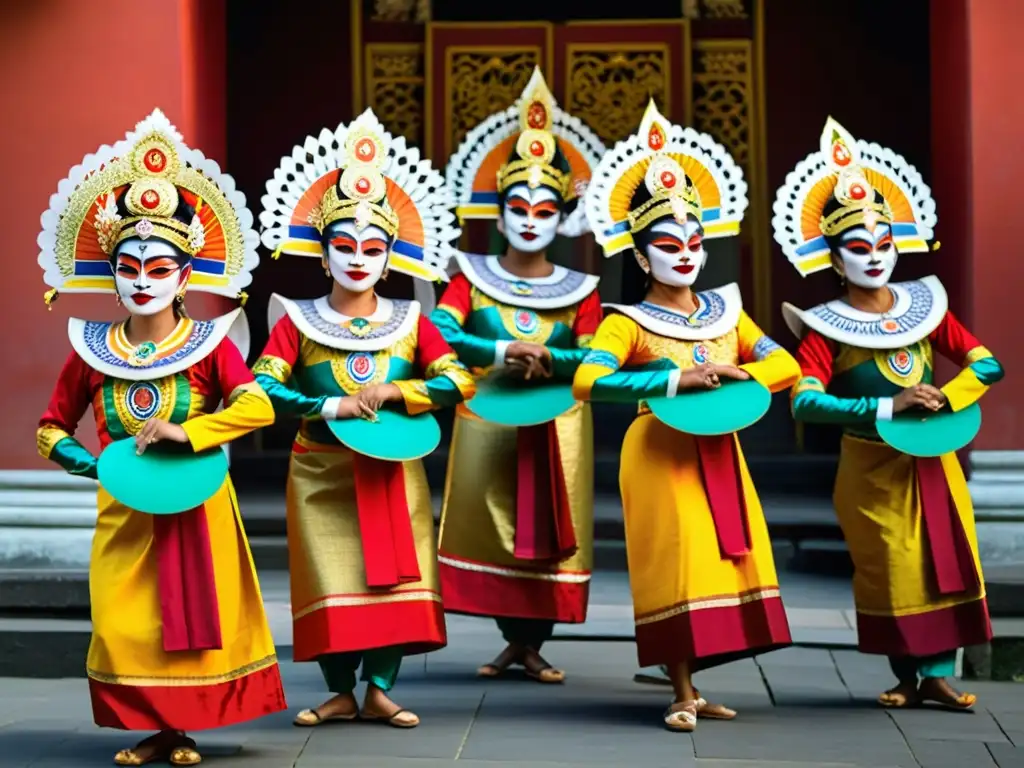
329,410
673,382
500,348
884,412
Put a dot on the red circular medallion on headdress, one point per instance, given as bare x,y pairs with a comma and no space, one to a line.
150,199
656,138
365,149
155,161
536,115
841,155
536,148
857,191
668,179
362,185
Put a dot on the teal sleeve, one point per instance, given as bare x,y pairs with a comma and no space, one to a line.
73,458
620,386
988,370
443,393
821,408
289,401
564,362
474,351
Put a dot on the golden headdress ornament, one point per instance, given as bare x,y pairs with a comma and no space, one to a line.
686,173
850,172
518,145
150,171
361,172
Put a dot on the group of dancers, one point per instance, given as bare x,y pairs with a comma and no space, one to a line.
180,638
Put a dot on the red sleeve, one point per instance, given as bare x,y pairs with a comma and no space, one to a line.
457,298
815,355
431,345
953,340
71,395
283,342
588,317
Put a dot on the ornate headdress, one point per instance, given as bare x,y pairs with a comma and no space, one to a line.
517,145
850,172
685,172
150,171
361,172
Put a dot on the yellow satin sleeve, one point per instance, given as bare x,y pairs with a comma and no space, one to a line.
616,341
767,363
248,408
981,371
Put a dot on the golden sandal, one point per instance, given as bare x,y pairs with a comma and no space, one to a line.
309,718
546,674
394,719
131,757
681,716
185,756
895,699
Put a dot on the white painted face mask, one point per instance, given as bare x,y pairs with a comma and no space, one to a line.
530,217
676,252
357,257
868,257
148,275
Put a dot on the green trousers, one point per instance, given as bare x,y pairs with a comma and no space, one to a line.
909,668
380,668
532,633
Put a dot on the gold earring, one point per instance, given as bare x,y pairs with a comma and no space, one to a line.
117,298
179,298
384,274
327,269
645,265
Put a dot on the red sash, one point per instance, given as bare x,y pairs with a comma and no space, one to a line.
189,611
951,554
723,484
389,549
543,520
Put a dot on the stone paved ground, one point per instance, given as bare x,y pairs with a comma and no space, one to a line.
799,708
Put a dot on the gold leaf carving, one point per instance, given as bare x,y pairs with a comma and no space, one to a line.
395,88
724,9
722,95
608,89
481,83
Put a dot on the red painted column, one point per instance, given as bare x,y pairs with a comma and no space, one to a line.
76,75
996,115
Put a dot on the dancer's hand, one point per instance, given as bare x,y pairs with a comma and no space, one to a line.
731,372
156,430
699,377
376,395
351,407
919,396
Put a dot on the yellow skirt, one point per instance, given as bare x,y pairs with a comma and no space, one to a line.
900,610
690,602
480,574
333,609
134,683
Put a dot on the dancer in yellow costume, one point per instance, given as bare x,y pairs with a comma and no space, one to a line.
700,561
853,207
517,526
180,640
360,529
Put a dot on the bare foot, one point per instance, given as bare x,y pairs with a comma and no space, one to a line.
538,669
937,690
156,747
902,696
504,660
377,706
340,707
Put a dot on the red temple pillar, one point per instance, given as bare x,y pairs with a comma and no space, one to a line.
977,170
74,76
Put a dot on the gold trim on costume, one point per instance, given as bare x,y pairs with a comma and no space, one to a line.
274,367
913,359
140,681
808,384
249,388
563,577
976,354
166,388
438,366
47,437
351,601
703,603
